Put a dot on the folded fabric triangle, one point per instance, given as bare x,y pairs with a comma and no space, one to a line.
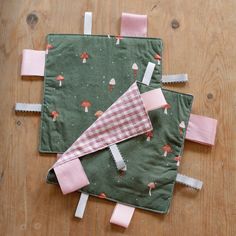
124,119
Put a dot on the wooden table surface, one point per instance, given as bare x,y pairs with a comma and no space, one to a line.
199,39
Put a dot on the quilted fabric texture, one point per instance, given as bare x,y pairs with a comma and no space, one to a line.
151,160
84,75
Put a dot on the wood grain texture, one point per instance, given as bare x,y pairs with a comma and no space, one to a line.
203,45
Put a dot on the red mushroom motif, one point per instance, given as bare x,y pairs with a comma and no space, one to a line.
151,186
54,115
158,58
135,70
48,47
84,56
178,159
60,78
102,195
166,107
118,38
181,127
98,113
149,135
167,149
86,104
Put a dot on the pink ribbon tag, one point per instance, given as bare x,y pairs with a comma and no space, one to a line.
201,129
122,215
153,99
71,176
33,63
133,25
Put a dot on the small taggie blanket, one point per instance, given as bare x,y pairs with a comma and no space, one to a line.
84,75
93,90
151,159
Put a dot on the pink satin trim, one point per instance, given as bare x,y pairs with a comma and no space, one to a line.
153,99
122,215
33,63
201,129
71,176
133,25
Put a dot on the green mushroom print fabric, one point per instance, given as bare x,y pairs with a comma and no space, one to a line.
84,75
151,160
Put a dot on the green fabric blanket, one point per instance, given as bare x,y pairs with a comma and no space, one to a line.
151,160
84,75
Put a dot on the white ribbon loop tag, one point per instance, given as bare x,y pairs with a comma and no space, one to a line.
88,20
148,73
179,78
79,213
27,107
120,163
190,182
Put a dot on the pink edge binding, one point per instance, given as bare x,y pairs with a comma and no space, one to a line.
133,25
122,215
201,129
71,176
33,62
153,99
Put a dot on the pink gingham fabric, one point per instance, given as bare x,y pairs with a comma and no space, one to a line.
124,119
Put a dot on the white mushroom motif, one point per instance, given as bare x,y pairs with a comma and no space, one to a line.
111,84
135,70
181,127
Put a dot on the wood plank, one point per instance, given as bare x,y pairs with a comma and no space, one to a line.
200,44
